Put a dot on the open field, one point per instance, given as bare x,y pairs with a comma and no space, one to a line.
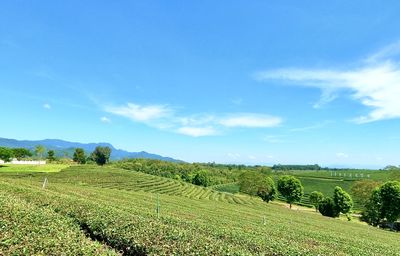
18,168
108,211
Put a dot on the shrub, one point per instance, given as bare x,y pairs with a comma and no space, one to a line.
328,208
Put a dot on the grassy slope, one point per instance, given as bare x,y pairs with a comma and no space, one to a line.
17,168
192,219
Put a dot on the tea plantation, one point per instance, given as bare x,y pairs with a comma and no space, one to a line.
88,210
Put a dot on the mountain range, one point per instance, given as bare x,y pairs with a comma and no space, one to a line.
66,148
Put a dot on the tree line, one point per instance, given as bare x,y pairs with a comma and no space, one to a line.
100,155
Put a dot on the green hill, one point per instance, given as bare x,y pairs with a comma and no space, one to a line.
109,211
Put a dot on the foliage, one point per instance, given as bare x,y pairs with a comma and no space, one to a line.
50,155
101,155
21,153
39,151
201,179
342,200
217,173
110,205
267,189
79,156
290,188
372,211
362,190
27,229
389,195
316,198
6,154
328,208
384,204
249,182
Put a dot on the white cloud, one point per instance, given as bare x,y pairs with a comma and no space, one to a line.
251,121
197,131
375,84
342,155
165,118
311,127
105,119
47,106
140,113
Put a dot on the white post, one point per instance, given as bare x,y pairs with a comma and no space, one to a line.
44,183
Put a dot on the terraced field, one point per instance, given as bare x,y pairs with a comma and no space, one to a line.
115,212
113,178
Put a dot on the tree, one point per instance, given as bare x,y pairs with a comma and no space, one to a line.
6,154
290,188
249,182
342,200
79,156
21,153
267,190
316,198
101,155
202,179
39,151
50,155
372,212
389,194
362,190
328,208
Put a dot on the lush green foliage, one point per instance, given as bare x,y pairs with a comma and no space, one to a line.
290,188
28,229
217,173
101,202
51,155
384,204
21,153
328,208
79,156
101,155
267,190
342,200
362,190
202,179
5,154
316,198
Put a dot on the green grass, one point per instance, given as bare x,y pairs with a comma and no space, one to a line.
117,207
17,168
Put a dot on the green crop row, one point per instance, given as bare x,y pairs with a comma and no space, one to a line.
26,229
126,220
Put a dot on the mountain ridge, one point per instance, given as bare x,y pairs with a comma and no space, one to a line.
66,148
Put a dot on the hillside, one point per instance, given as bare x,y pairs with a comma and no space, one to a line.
117,209
63,147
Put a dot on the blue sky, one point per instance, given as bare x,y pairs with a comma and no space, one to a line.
254,82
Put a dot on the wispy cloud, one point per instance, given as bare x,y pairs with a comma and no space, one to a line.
251,121
140,113
375,83
165,117
46,106
311,127
342,155
105,120
197,131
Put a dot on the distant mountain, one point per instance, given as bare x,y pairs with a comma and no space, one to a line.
66,148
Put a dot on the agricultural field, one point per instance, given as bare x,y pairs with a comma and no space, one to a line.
88,210
17,168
